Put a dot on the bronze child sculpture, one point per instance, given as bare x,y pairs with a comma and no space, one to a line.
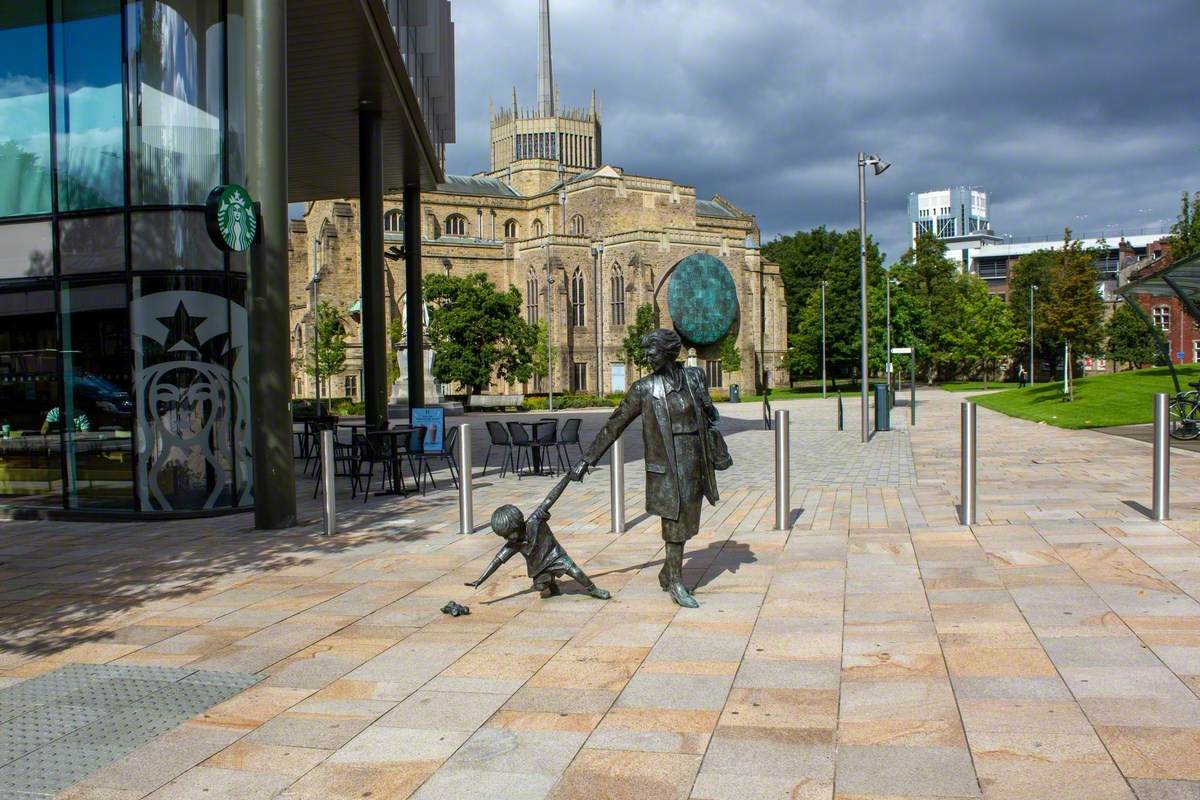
545,558
682,449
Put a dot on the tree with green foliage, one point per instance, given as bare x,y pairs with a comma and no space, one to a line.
540,367
645,320
1074,310
1185,233
330,344
1032,269
929,303
1128,339
731,356
477,332
831,256
986,333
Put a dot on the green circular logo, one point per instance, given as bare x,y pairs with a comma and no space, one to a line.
232,218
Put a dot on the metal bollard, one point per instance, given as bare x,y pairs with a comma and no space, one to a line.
783,473
967,467
616,485
328,473
466,511
841,416
1162,457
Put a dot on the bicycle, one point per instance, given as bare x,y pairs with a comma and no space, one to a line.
1185,413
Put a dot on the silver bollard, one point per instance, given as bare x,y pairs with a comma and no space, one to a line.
616,485
783,473
967,467
328,473
1162,457
466,510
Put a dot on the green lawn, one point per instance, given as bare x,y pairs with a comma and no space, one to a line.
1125,398
805,390
974,386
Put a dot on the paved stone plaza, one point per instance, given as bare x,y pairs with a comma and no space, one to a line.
876,650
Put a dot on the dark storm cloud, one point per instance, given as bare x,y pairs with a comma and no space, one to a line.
1068,113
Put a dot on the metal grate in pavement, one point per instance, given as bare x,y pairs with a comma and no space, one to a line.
58,728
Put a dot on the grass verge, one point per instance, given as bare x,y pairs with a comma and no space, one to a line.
1124,398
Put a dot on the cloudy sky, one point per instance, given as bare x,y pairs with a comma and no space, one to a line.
1068,112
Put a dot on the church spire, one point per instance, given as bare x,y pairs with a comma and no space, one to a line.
545,78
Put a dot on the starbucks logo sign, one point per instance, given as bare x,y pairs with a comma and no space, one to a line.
231,217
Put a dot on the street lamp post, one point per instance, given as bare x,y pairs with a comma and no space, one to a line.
1032,288
888,292
823,285
879,165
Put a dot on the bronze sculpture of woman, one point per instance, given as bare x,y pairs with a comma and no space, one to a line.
676,411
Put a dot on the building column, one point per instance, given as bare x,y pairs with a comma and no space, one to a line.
414,296
270,353
374,312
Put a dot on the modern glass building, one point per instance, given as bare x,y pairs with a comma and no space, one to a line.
125,369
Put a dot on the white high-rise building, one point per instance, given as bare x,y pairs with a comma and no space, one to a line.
957,215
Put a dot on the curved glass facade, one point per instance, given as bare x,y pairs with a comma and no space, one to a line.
123,357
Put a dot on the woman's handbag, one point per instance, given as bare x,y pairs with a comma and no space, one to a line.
718,451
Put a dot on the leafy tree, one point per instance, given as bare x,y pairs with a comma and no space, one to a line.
1074,310
540,366
805,258
731,356
1185,233
645,321
477,332
930,302
331,343
986,333
836,261
1128,339
1032,269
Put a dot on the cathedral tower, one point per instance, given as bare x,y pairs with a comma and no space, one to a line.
532,147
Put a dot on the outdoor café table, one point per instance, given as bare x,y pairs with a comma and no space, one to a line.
532,429
353,427
395,438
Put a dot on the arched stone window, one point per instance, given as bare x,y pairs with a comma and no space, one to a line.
578,304
617,292
577,225
537,228
393,222
532,290
511,230
456,225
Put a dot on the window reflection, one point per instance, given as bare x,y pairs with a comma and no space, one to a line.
87,66
175,121
97,413
24,111
30,444
25,250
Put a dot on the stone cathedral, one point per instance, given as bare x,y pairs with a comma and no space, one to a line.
584,242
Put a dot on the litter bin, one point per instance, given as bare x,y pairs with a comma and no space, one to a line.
883,416
735,393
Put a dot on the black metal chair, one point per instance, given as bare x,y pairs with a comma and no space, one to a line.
343,463
498,437
411,447
521,444
446,454
368,454
545,438
312,432
569,435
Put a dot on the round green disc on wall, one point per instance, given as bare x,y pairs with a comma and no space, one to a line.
231,217
702,298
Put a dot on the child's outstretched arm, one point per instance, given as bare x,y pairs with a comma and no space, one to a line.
506,552
543,509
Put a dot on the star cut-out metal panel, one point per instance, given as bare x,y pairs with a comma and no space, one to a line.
59,728
702,299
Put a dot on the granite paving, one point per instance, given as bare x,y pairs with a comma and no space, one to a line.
877,649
